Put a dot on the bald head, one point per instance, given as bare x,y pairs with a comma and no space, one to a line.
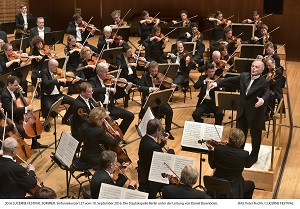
216,56
53,65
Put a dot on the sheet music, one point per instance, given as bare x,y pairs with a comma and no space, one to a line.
108,191
66,149
142,127
194,131
175,162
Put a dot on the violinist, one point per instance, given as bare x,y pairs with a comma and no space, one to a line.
22,20
117,22
151,142
3,40
40,30
257,21
37,63
11,93
184,22
229,162
230,41
184,190
51,90
274,78
216,60
108,40
270,52
264,36
145,27
77,29
86,65
156,45
107,95
225,55
108,165
184,59
206,102
8,128
15,180
147,87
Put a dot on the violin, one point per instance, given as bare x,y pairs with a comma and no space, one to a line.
119,169
151,20
70,76
173,179
32,125
117,38
162,79
47,51
95,60
111,80
59,74
89,27
213,142
121,23
23,149
222,65
76,46
13,56
197,36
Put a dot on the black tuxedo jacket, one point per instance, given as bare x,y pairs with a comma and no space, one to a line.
34,32
229,163
259,88
202,93
122,63
184,70
20,20
102,42
101,176
6,100
48,83
182,191
3,61
79,103
14,179
72,30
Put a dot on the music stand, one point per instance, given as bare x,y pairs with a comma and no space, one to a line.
58,36
242,64
227,101
31,23
110,54
189,46
3,79
49,39
8,27
247,30
251,50
22,72
123,31
178,31
172,72
158,98
17,43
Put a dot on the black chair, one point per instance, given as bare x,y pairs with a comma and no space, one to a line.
216,187
186,88
86,195
76,135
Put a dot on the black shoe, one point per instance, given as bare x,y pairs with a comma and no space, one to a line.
38,145
171,137
66,122
47,127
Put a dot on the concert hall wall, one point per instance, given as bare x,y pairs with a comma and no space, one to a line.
60,13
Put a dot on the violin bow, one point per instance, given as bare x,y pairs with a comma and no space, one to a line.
171,169
119,24
269,32
156,15
126,15
266,16
233,53
188,18
169,33
230,17
86,38
35,88
88,22
3,136
207,30
164,76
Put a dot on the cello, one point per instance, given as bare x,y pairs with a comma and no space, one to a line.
32,125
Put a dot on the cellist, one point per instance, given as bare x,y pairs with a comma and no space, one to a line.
9,95
15,180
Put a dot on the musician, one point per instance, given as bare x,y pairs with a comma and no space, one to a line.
117,20
230,41
84,67
254,91
216,60
77,29
22,20
156,45
145,27
40,30
107,40
51,91
147,87
3,40
93,134
257,21
225,55
152,141
264,36
229,162
107,95
37,63
185,62
270,52
206,102
14,179
274,78
184,22
8,128
184,190
44,193
108,160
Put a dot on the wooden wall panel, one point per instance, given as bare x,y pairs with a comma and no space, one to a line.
61,13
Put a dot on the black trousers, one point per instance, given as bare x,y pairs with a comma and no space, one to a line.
126,116
49,100
255,134
164,110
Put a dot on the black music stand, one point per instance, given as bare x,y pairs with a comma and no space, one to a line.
3,81
227,101
242,64
31,23
251,50
247,30
58,36
49,39
110,55
123,31
8,27
22,72
17,43
158,98
172,72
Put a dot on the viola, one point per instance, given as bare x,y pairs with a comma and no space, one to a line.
173,179
70,76
222,65
32,125
47,51
23,149
59,74
162,79
119,169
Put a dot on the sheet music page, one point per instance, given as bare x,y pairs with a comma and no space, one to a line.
66,148
180,162
108,191
142,127
192,132
157,166
210,132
